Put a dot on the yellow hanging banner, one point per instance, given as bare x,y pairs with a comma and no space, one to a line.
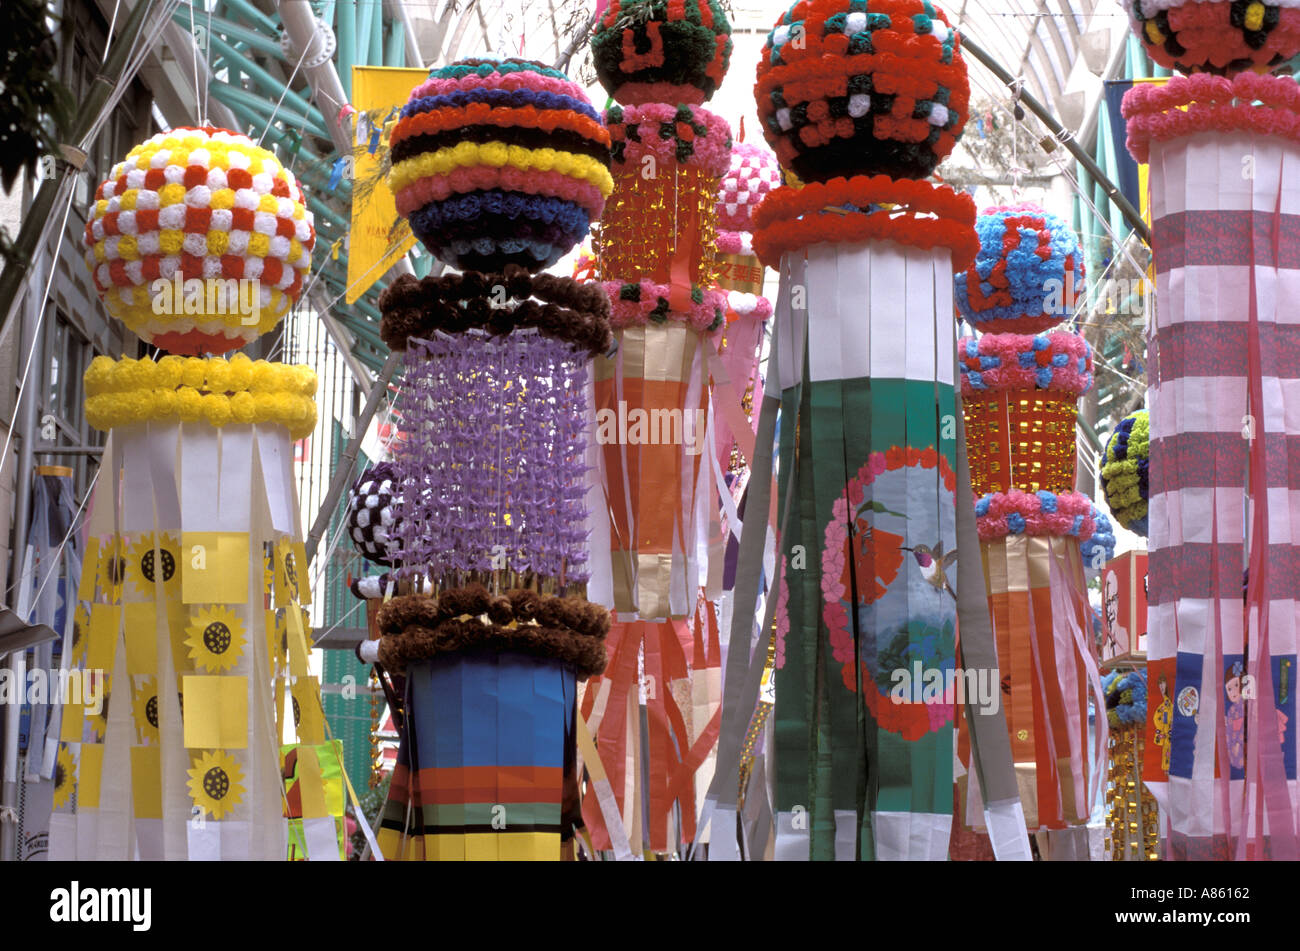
378,93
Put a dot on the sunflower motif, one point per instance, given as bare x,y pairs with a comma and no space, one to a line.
216,783
146,567
268,570
216,638
111,571
80,636
65,776
99,721
291,576
144,709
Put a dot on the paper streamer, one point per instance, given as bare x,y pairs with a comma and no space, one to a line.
868,465
1220,747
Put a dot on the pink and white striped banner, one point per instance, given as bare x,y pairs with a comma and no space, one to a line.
1225,495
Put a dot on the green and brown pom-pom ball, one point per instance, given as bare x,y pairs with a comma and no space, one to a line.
673,51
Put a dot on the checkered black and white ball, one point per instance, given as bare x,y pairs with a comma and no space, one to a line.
371,518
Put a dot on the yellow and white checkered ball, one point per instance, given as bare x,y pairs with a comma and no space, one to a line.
199,241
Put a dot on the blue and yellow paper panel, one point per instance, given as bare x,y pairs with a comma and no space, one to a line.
480,774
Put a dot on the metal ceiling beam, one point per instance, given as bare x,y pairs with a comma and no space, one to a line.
1066,138
397,13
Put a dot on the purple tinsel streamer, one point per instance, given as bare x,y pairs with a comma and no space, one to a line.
494,457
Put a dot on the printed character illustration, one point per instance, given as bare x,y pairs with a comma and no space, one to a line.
1234,715
1163,720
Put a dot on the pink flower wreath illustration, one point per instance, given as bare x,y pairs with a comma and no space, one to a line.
860,556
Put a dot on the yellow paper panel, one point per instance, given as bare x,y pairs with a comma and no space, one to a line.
90,769
178,620
334,798
70,726
529,846
290,574
146,781
89,559
274,638
298,649
214,568
299,551
141,635
307,711
374,211
279,707
216,712
481,847
446,847
102,650
311,784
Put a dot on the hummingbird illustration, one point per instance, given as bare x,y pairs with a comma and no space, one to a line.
934,565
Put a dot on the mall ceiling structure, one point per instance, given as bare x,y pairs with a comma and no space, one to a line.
282,72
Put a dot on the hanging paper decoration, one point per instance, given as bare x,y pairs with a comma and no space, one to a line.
1019,398
863,352
1132,819
738,390
1125,474
656,253
754,172
195,610
1216,36
657,256
1222,753
199,240
1028,275
492,629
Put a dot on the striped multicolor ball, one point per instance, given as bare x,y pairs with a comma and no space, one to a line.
673,51
1028,275
199,240
1125,471
862,87
754,172
499,162
1225,37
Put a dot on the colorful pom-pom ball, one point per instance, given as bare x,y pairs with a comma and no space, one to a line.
862,87
673,51
371,520
1028,275
1224,37
1125,477
499,162
199,241
754,172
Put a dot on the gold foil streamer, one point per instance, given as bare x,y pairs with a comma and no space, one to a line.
1132,817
